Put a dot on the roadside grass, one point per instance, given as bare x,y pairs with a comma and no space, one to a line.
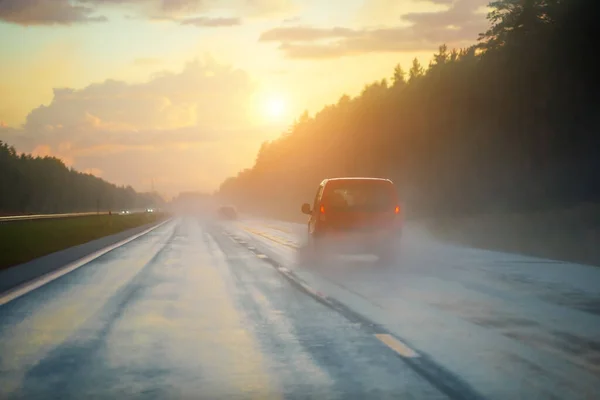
22,241
571,235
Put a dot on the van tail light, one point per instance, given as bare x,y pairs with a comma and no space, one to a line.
397,210
322,209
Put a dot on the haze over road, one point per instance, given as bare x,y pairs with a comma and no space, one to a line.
196,309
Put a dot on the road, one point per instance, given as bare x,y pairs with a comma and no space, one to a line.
196,309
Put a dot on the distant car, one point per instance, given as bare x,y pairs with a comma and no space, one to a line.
125,212
227,212
150,210
355,215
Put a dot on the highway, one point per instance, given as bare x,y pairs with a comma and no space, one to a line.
223,310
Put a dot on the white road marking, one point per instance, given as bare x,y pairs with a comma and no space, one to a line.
35,283
397,345
261,256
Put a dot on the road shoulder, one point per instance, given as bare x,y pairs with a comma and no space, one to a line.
17,275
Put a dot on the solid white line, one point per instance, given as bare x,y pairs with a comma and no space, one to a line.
261,256
35,283
397,345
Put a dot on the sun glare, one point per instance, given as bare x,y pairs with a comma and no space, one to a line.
275,108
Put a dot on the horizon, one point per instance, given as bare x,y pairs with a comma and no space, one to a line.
126,91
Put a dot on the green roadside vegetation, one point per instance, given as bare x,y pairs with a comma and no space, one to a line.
570,234
23,241
45,185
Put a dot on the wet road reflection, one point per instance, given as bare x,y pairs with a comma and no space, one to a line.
183,312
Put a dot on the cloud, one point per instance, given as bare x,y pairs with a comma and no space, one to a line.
444,2
45,150
202,94
67,12
93,171
457,26
306,34
179,125
164,5
46,12
180,9
181,5
42,150
292,20
211,22
266,8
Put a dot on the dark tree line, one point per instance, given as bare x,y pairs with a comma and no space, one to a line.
45,185
510,123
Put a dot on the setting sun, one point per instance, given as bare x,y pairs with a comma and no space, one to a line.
274,108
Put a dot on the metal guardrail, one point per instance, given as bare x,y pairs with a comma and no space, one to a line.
12,218
50,216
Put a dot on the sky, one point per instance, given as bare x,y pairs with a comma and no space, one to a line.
180,94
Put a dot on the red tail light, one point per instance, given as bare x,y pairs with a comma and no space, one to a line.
397,210
322,209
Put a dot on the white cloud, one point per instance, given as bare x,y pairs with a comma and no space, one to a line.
46,12
67,12
201,13
176,124
211,22
458,25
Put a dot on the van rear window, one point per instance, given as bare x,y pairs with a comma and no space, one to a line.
373,196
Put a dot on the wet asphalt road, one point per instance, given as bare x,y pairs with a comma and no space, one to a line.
186,312
510,326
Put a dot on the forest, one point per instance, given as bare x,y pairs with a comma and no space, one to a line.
509,124
46,185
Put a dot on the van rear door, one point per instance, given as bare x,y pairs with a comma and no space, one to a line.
360,205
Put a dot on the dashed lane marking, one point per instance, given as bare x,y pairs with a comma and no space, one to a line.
396,345
448,383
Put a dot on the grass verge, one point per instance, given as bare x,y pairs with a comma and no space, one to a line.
571,235
22,241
